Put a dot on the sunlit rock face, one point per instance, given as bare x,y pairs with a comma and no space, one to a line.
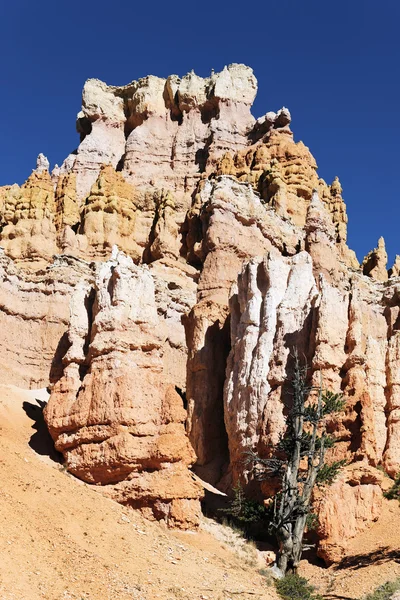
34,318
175,348
112,413
344,324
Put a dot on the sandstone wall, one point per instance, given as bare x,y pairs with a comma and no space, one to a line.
113,413
34,318
342,322
235,251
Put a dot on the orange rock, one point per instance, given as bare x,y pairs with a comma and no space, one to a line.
374,264
347,508
112,414
233,232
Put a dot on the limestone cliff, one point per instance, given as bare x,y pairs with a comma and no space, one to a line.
231,252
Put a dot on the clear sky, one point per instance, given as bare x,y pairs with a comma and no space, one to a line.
333,63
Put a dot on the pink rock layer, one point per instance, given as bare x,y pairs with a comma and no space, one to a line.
235,252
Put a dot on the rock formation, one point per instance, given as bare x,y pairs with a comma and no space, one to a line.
28,234
231,252
353,500
112,413
34,318
374,264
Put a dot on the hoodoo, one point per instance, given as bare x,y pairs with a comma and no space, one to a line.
158,281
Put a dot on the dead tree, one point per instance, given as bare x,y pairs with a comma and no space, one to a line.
302,466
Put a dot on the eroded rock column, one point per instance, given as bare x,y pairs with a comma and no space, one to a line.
112,414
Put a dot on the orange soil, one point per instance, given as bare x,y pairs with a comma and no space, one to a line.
62,540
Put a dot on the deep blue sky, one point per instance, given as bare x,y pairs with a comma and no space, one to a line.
333,63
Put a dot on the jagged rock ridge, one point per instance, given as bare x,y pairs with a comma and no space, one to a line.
234,252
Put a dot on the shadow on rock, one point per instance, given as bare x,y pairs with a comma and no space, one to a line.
41,441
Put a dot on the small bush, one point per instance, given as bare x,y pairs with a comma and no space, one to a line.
243,511
293,587
394,492
385,591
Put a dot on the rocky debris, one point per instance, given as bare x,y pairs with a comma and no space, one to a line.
113,414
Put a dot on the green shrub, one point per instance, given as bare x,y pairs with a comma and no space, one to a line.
244,511
394,492
385,591
293,587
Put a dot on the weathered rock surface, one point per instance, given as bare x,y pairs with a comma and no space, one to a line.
34,318
235,252
272,312
29,233
375,262
348,507
345,325
113,413
227,224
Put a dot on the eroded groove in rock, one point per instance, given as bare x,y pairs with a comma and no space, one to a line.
122,424
235,252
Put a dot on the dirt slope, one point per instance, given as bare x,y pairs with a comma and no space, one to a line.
61,540
373,559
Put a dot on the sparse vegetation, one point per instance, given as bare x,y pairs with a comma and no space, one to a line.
394,492
234,537
300,464
385,591
293,587
244,511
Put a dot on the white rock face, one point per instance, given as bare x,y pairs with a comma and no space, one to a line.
42,163
235,83
271,308
99,102
346,329
31,344
237,227
104,145
162,130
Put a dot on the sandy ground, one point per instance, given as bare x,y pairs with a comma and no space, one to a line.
373,559
60,539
